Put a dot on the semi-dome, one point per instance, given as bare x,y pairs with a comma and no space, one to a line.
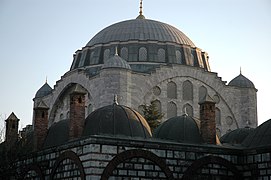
43,91
241,81
116,120
261,136
116,62
142,30
181,129
236,136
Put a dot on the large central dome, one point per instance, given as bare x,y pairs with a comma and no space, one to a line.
145,44
142,30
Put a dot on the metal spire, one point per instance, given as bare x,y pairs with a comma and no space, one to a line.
140,11
141,16
240,70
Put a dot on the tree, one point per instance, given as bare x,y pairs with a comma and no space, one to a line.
152,115
2,128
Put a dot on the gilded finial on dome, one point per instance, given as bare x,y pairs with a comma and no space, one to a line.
141,16
116,99
116,51
185,111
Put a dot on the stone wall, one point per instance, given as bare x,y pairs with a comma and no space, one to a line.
135,89
108,158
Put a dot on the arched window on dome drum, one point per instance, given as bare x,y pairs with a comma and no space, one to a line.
143,54
172,90
157,104
217,116
124,53
82,59
106,54
187,91
179,57
171,110
161,55
192,60
202,92
188,109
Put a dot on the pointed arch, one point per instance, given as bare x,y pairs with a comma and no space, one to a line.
217,116
74,163
136,153
187,108
179,57
143,54
124,53
172,90
202,92
187,91
193,172
158,105
161,55
171,110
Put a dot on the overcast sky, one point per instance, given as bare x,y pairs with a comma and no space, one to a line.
39,38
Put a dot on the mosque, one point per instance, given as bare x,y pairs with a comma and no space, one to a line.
90,125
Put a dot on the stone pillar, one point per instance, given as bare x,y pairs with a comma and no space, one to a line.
207,120
12,123
77,112
40,125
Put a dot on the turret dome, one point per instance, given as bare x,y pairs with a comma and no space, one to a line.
43,91
116,62
241,81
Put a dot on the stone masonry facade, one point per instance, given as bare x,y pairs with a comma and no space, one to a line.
135,89
115,158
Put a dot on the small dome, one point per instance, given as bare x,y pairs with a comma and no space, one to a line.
116,120
58,134
43,91
116,62
261,136
241,81
236,136
181,129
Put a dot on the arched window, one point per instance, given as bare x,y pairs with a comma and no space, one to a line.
172,90
187,108
217,116
106,54
82,59
179,57
124,53
192,59
202,92
161,55
157,104
143,54
187,91
171,110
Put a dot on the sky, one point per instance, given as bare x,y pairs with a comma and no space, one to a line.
38,40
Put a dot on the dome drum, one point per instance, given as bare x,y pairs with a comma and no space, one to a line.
141,40
143,53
